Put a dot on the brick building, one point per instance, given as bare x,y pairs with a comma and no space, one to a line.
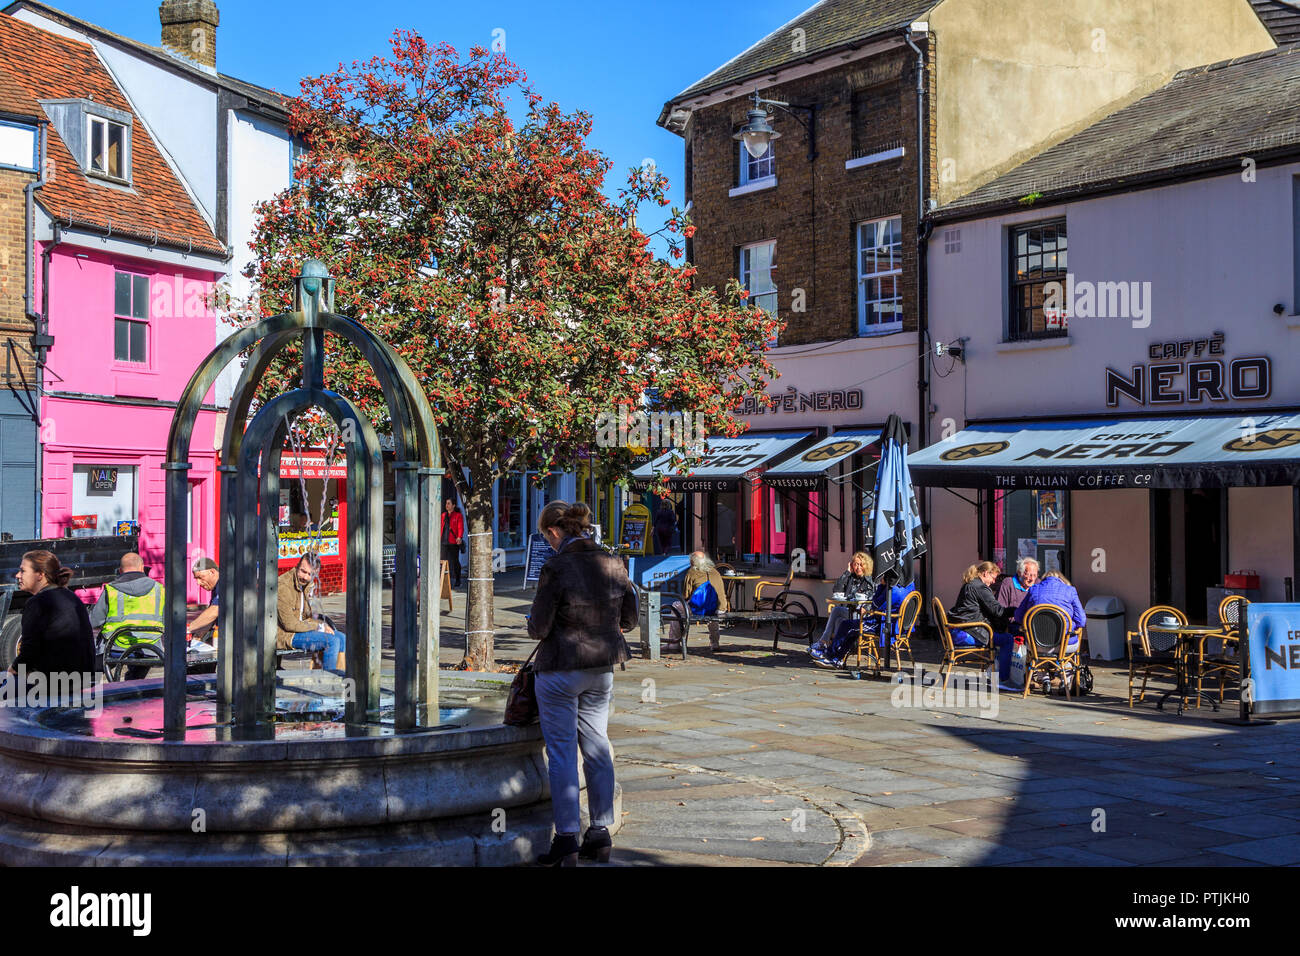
20,151
892,107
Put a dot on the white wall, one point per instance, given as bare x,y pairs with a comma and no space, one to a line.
1218,255
181,116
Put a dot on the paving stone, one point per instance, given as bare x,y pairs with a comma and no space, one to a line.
1275,851
1254,825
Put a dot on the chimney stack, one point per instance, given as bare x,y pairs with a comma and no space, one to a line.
189,29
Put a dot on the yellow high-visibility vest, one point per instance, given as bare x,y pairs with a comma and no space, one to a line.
140,619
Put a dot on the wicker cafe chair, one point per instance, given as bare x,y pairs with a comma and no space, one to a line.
1226,665
1158,658
905,623
1052,642
728,585
983,657
801,604
769,603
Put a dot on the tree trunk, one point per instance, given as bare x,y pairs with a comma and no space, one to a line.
479,602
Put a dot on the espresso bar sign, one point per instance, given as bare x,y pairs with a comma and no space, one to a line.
1191,371
793,401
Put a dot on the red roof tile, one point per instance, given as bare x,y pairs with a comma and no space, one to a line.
156,206
15,100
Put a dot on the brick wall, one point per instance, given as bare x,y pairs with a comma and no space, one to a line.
14,323
812,211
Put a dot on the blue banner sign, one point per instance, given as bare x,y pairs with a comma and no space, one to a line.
1273,635
654,571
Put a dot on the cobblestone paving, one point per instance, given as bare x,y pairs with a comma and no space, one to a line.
750,757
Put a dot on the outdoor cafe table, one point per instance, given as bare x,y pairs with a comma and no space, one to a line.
728,577
862,607
1181,638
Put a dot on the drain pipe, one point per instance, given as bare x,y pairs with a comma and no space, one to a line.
39,324
922,310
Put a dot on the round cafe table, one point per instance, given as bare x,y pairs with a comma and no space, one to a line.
735,584
1183,637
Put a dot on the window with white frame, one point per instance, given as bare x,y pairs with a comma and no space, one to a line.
756,170
131,318
757,265
880,274
108,144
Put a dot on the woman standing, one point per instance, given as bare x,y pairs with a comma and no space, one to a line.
57,638
583,604
453,534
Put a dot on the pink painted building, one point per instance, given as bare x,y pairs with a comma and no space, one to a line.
124,261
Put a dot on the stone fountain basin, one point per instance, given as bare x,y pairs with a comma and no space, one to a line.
475,793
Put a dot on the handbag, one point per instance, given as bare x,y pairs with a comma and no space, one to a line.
521,702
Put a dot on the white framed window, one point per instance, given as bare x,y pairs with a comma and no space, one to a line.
107,143
753,171
880,273
130,318
757,268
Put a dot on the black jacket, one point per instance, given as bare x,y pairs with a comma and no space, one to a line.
57,638
853,586
977,602
584,602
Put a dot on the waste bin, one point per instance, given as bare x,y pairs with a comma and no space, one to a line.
1105,627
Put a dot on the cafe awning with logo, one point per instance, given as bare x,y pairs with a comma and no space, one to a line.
806,470
726,462
1190,452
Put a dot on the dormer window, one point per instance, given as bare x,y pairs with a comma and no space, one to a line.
107,155
98,135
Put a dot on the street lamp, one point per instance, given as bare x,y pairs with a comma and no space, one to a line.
757,134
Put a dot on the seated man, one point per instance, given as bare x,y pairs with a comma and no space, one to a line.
702,570
853,583
208,576
1014,588
296,625
130,611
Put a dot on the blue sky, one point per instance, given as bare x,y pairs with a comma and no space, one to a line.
617,60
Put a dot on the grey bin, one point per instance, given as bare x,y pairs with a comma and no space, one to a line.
1106,633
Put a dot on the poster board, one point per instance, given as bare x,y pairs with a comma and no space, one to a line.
539,552
634,531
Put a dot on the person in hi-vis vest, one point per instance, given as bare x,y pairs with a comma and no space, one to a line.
130,610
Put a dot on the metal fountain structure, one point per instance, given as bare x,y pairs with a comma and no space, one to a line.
249,472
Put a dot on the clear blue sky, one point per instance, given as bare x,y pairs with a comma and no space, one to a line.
619,61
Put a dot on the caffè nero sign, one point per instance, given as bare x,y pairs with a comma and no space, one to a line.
1191,372
792,401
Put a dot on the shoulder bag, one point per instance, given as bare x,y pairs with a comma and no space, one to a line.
521,703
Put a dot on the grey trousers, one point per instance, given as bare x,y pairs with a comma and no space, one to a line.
574,711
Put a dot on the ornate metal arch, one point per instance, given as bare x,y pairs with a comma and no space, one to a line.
250,473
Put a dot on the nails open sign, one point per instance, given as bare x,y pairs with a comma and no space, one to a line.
103,479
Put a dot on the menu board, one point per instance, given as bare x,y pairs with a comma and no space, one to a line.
632,538
294,544
539,552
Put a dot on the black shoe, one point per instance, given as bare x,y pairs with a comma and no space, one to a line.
596,845
563,852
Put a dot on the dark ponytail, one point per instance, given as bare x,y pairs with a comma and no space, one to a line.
46,564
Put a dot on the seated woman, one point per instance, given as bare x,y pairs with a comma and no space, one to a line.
702,570
976,602
1053,589
57,637
853,583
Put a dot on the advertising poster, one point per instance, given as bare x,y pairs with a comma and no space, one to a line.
1051,519
1274,649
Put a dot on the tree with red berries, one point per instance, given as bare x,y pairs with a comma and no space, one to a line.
526,302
